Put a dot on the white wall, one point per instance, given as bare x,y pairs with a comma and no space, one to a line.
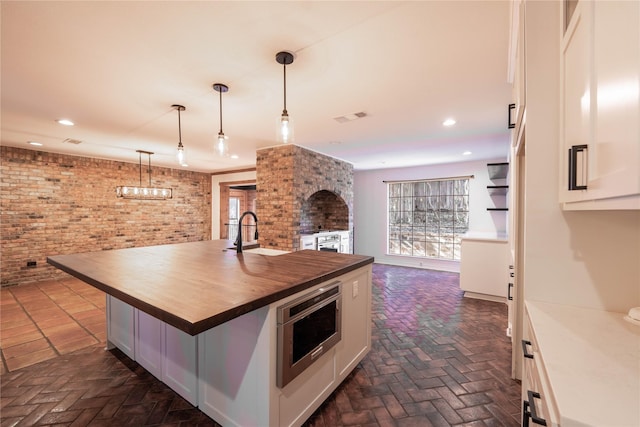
583,258
370,208
215,196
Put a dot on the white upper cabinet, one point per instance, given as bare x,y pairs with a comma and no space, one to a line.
517,65
600,106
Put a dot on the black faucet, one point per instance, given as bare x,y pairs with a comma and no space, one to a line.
238,241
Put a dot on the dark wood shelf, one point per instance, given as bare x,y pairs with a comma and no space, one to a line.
497,209
498,170
497,190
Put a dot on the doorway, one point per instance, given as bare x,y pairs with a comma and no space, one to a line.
236,198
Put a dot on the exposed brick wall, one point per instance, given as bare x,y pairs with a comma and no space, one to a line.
287,176
58,204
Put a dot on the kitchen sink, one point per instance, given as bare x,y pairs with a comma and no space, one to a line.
265,251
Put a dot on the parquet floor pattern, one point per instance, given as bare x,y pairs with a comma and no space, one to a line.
437,359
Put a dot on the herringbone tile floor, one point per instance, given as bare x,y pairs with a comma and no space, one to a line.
438,359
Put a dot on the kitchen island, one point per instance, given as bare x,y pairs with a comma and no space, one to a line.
203,319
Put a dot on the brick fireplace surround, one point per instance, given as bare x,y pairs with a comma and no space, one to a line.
287,176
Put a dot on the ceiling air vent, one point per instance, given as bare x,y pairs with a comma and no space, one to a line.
72,141
350,117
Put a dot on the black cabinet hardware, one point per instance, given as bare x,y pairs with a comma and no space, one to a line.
509,296
526,354
510,122
529,411
573,166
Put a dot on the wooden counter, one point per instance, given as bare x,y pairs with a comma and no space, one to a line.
196,286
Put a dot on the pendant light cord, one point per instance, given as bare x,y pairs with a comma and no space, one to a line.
140,164
179,129
285,88
149,170
220,111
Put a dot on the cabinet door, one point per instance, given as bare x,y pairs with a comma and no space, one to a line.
577,95
519,66
180,363
308,242
120,326
601,105
613,169
356,321
344,243
149,343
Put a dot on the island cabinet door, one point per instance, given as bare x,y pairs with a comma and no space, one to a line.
356,321
167,353
120,326
180,362
149,343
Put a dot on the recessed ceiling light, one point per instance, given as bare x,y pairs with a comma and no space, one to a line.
37,144
449,122
184,165
235,156
65,122
466,153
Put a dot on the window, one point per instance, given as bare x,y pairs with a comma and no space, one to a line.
428,218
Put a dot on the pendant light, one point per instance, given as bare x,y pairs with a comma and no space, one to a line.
181,154
285,125
222,147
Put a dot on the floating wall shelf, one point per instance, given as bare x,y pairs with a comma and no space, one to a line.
498,171
497,190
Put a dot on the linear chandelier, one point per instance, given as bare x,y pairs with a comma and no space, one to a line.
140,192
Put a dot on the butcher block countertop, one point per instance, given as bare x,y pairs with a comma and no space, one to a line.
198,285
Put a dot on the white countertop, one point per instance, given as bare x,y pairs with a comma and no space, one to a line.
592,360
485,236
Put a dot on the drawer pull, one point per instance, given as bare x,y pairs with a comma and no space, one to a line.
577,160
525,353
509,296
533,413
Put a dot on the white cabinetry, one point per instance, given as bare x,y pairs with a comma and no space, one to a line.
166,352
238,362
483,267
583,365
308,242
517,64
120,326
539,406
600,107
229,371
345,242
337,241
148,343
180,362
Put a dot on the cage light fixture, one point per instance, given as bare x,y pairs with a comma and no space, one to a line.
285,124
181,152
222,146
141,192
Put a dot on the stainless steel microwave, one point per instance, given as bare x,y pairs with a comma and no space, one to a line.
307,328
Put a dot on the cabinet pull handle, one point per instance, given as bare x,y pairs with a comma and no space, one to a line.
533,413
573,166
509,296
526,354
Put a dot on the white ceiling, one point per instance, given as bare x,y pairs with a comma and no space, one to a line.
115,69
